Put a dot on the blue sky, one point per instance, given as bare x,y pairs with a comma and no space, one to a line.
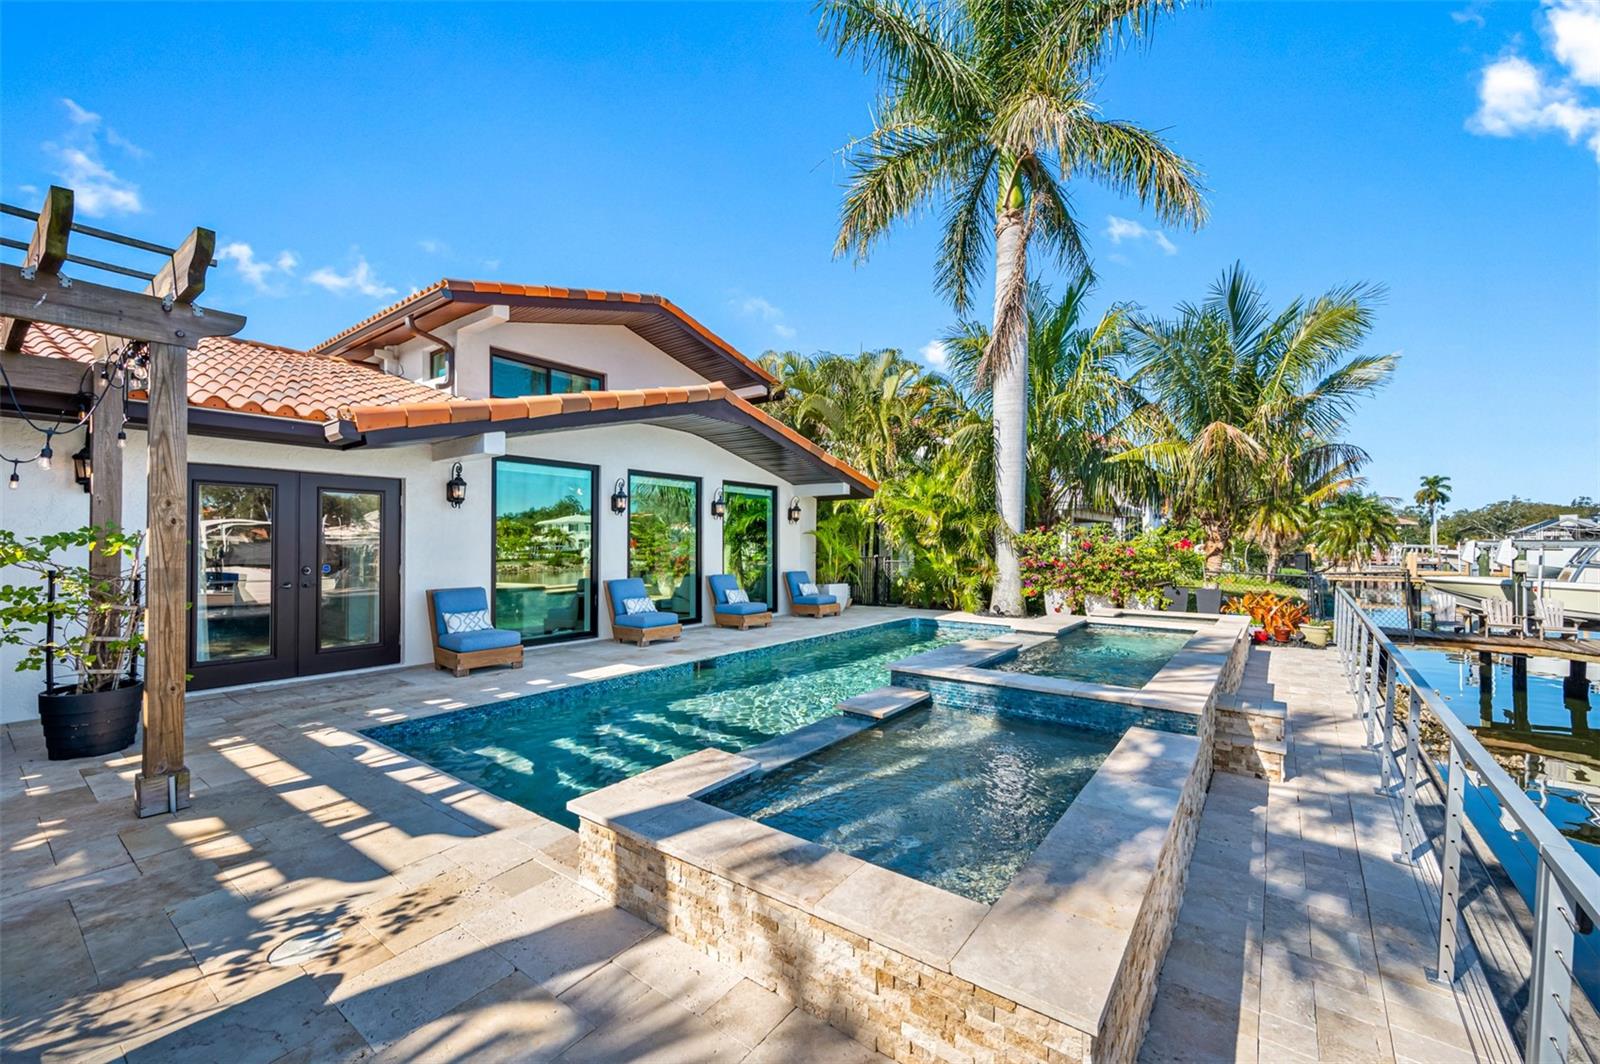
348,153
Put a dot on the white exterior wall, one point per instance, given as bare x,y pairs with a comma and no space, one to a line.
624,358
441,547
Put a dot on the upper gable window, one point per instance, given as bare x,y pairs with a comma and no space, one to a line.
514,375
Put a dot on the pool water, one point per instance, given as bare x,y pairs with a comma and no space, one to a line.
953,797
1121,657
543,750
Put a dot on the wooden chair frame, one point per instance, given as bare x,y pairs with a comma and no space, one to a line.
740,621
640,637
799,609
461,664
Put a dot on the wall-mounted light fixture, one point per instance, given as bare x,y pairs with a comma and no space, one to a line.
794,512
719,506
619,497
83,465
455,489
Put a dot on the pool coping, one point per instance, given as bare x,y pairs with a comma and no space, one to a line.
1059,939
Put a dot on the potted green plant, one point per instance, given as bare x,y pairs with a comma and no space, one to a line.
1317,633
71,621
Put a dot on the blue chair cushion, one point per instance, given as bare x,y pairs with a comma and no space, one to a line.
487,639
721,584
622,590
813,600
459,600
645,620
794,579
739,609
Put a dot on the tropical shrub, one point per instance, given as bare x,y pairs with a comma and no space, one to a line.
1081,562
98,623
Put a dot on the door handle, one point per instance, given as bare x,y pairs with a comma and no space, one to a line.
286,585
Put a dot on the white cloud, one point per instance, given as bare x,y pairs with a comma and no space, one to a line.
433,247
491,264
1471,13
756,307
98,190
1575,38
934,354
1121,229
259,273
1517,96
360,279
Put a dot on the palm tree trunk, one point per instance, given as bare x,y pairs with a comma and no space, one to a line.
1010,394
1216,549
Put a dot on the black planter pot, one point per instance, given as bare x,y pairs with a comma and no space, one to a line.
88,725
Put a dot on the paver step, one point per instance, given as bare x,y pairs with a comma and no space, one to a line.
883,703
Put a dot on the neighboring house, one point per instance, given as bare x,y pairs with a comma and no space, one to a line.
318,510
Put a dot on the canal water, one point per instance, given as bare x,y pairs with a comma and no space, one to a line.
1547,736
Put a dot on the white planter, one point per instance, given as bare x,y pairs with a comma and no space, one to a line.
1097,604
840,592
1055,603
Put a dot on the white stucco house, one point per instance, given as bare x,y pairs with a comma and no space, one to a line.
598,434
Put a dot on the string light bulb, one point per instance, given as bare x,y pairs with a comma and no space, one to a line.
122,439
15,480
45,453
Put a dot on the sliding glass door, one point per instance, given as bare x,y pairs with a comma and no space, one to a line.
544,548
749,539
664,540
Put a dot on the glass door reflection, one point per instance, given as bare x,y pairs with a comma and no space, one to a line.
664,540
544,548
749,539
234,538
349,574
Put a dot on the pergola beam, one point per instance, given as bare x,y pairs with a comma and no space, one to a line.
46,252
98,308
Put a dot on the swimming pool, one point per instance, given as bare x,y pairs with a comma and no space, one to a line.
957,798
542,750
1096,653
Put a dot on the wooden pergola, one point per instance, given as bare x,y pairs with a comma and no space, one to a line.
165,317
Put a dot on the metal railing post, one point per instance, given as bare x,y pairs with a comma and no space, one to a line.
1386,751
1450,892
1408,781
1550,984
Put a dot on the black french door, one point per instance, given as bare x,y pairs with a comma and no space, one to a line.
291,574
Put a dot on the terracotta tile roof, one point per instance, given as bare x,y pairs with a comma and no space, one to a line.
450,287
378,418
227,373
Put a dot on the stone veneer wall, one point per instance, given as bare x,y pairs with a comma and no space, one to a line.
1251,743
900,1006
895,1004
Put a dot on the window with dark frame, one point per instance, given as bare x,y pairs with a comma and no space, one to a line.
517,375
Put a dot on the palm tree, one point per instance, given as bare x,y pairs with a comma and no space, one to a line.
1079,408
1234,389
1352,527
1298,476
987,108
1434,493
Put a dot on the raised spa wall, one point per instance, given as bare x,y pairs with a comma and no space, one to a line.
1062,967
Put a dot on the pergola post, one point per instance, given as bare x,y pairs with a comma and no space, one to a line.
162,784
165,317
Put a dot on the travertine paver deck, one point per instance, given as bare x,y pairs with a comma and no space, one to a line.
465,932
1301,936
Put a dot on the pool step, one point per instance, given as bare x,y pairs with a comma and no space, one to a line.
883,703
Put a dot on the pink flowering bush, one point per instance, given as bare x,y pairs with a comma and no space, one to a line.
1081,562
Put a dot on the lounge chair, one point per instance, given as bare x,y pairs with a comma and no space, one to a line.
727,614
638,628
1175,599
812,605
1208,600
462,638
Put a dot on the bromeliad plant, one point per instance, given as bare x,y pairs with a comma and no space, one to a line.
97,622
1277,616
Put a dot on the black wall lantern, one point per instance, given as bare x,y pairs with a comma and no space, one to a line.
619,497
455,490
83,466
719,506
794,512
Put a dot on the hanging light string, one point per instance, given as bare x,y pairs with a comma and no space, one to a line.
114,371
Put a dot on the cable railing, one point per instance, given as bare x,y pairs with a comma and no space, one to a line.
1567,891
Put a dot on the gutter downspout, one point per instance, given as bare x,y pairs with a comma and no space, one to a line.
449,350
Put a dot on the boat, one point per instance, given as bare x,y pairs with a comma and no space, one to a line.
1558,562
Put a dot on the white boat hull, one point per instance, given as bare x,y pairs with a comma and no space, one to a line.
1580,602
